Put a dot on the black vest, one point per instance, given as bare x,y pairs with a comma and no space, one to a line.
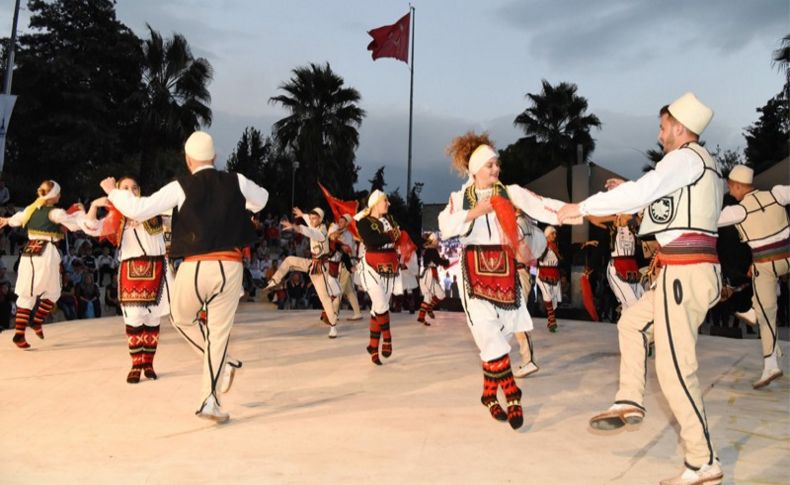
212,217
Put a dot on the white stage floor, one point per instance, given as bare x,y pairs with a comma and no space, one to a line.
307,409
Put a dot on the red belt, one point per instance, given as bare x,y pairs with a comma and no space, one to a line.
384,262
689,249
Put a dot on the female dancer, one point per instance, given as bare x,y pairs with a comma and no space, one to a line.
144,278
38,277
491,297
379,275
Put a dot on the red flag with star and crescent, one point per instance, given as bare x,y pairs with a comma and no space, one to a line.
391,40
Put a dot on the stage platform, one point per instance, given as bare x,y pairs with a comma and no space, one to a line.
307,409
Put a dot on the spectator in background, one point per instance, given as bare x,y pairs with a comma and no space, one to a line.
5,195
89,304
3,277
111,296
107,265
454,293
295,289
68,298
7,299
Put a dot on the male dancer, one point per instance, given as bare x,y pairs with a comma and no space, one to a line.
683,198
325,284
762,222
342,241
211,225
430,284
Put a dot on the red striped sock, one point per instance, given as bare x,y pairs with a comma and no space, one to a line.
551,318
134,338
22,318
421,314
150,343
515,415
491,371
375,335
44,309
384,323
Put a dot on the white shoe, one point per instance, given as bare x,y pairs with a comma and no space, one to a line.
268,288
768,376
749,316
617,416
707,475
333,331
228,373
525,369
211,410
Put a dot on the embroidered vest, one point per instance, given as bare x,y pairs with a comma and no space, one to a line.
40,225
695,207
765,217
470,200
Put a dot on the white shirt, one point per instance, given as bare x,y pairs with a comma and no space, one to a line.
319,243
452,220
172,195
735,214
72,221
676,170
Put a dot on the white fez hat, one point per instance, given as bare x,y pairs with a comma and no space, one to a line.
549,230
200,147
742,174
691,113
318,211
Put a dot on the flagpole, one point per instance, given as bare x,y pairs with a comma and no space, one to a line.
411,105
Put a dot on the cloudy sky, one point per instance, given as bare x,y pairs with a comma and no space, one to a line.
474,63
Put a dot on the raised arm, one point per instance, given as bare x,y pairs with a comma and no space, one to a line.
144,208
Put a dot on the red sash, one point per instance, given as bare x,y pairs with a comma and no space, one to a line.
490,273
34,247
318,265
333,268
549,274
435,273
626,269
141,280
384,262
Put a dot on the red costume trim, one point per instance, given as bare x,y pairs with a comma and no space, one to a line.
141,280
490,274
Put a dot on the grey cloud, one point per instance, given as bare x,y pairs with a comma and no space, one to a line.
619,31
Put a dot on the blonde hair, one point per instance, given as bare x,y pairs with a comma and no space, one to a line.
44,188
461,147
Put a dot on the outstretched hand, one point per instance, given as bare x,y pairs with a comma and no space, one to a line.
568,212
3,222
108,185
613,183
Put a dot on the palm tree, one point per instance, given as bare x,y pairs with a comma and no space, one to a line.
781,59
557,119
175,96
321,130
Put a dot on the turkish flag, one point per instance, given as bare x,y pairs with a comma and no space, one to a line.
391,40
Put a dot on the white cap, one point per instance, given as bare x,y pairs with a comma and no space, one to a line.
691,113
54,191
742,174
200,147
318,211
549,230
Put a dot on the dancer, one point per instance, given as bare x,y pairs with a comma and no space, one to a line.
430,284
38,276
683,198
535,241
144,277
491,297
549,278
211,225
762,222
379,269
324,282
344,247
410,271
622,272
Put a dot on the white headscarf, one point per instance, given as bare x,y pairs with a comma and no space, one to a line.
479,157
374,198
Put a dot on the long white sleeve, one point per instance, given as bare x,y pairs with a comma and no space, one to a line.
69,221
311,232
781,193
543,209
256,196
731,214
144,208
452,220
16,219
677,169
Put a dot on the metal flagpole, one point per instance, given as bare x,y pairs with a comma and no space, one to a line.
411,105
